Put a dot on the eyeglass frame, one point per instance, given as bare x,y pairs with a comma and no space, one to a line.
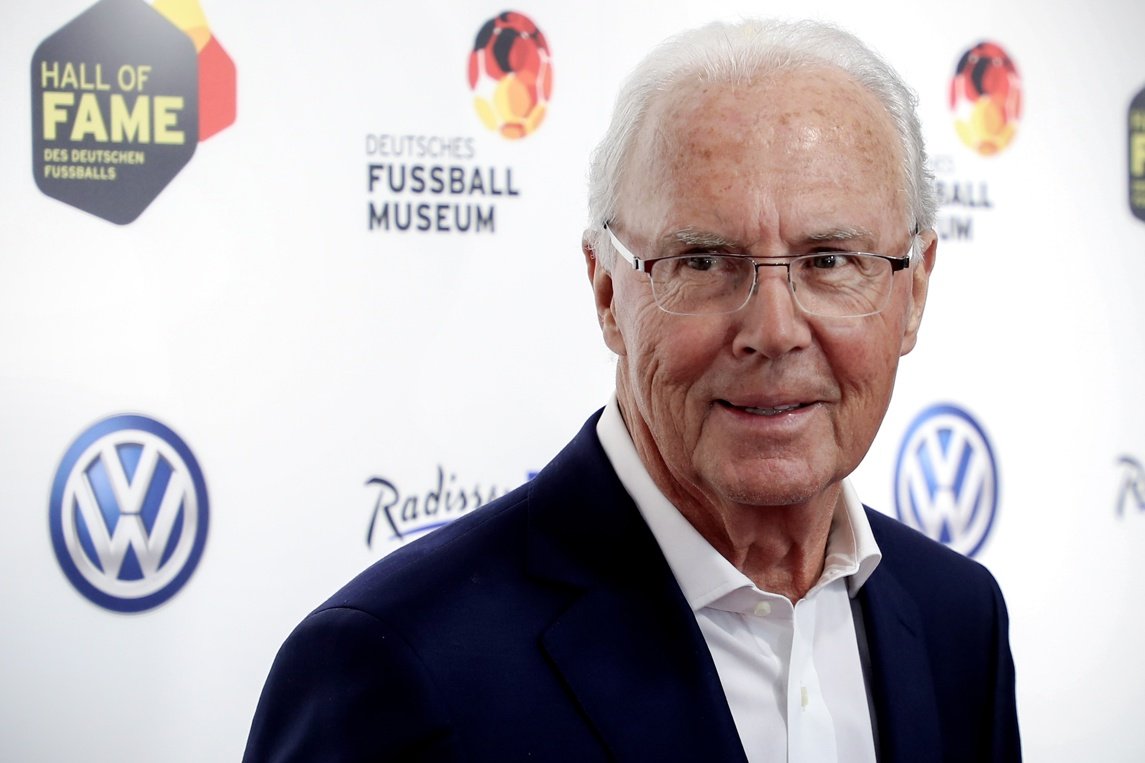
645,266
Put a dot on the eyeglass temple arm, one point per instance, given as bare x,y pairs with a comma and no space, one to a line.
902,263
636,262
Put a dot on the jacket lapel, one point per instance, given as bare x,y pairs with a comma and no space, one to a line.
906,711
642,678
628,646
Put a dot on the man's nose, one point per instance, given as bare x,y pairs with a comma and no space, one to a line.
771,323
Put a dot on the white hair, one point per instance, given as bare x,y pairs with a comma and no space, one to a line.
737,54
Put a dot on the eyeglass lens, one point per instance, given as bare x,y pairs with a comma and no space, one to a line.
833,284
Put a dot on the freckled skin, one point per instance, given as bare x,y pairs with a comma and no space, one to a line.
766,165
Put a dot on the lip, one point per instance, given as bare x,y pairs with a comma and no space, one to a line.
773,415
767,408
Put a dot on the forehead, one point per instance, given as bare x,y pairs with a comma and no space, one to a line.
782,152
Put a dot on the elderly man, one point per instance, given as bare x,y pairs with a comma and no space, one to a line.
692,578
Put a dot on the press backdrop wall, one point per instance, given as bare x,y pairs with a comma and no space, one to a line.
329,388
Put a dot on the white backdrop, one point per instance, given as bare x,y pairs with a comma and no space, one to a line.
301,355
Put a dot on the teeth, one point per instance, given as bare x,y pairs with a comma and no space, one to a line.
771,411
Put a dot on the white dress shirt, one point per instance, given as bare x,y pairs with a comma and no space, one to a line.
792,674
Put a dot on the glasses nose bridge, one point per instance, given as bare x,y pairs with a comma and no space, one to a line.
756,265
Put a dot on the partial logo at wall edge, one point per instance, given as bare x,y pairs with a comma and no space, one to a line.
1137,156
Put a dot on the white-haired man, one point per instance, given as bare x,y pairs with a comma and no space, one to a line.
692,578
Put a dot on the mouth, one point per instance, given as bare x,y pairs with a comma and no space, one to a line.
777,410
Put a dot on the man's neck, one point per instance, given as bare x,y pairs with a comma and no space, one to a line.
779,548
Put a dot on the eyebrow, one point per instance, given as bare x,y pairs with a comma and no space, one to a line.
693,237
845,233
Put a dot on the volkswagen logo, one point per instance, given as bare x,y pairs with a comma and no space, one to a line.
946,479
128,513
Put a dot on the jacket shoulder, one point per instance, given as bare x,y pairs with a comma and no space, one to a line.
923,564
469,547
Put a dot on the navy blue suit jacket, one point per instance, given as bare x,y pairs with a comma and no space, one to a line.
547,626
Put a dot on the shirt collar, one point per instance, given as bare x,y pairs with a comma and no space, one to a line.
703,574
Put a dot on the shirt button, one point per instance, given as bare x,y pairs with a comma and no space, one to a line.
763,609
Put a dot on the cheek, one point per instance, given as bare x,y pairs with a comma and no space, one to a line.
669,360
871,346
864,362
676,351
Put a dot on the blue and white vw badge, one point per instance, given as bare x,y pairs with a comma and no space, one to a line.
946,478
128,513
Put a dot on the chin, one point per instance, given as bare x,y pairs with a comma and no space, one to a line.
768,486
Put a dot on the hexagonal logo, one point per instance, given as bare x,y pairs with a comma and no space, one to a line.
986,98
121,96
511,75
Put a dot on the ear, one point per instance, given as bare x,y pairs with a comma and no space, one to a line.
920,282
602,290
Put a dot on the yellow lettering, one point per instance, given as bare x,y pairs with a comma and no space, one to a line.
1137,154
132,77
141,119
68,80
89,120
133,125
166,108
54,111
73,76
98,84
49,77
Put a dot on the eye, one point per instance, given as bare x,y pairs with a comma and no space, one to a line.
700,262
829,261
